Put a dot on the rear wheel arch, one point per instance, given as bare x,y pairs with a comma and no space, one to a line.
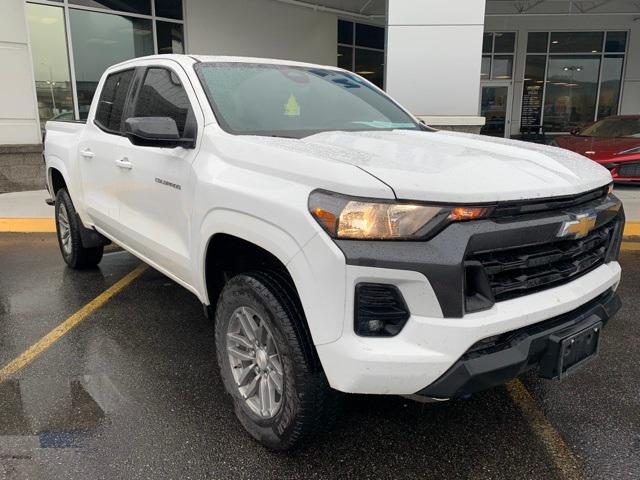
228,255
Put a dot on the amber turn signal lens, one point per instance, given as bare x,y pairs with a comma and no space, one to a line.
459,214
610,189
325,218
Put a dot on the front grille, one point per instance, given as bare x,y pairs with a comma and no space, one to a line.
632,170
514,272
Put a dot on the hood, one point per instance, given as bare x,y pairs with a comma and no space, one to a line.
598,148
462,168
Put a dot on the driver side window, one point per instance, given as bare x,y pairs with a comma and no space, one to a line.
163,95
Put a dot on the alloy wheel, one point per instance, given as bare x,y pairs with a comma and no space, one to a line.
255,362
65,229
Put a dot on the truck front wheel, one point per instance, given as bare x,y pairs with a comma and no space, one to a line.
69,239
277,396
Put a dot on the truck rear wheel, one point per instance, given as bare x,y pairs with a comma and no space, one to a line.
69,238
277,396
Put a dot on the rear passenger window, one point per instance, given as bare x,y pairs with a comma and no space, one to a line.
162,95
112,100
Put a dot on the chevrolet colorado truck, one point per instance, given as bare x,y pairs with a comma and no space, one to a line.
338,243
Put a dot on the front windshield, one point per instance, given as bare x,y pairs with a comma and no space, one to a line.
614,127
280,100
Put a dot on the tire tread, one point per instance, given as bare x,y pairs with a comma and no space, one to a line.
318,404
81,258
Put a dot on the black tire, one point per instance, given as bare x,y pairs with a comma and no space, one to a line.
308,405
73,252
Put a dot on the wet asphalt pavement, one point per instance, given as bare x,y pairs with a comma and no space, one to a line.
133,392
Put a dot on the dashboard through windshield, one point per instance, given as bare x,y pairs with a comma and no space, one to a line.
293,101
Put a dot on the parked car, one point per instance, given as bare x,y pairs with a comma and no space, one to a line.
339,244
613,142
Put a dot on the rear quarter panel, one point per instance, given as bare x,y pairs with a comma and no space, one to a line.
60,152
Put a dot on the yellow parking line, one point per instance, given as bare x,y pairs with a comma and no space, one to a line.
27,225
633,246
54,335
555,446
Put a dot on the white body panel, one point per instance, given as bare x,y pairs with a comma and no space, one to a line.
257,188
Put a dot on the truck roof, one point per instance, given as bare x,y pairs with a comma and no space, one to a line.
191,59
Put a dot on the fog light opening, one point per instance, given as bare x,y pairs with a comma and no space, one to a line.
379,310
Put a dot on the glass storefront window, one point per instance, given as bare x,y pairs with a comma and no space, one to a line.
502,67
99,37
133,6
505,42
496,65
610,82
534,75
537,42
487,42
369,36
361,50
485,68
170,37
345,57
345,32
576,42
169,9
578,79
616,42
100,40
493,107
370,65
50,62
572,89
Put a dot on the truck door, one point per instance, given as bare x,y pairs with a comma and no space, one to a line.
97,152
155,211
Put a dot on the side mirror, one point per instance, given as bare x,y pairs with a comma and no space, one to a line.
155,132
574,131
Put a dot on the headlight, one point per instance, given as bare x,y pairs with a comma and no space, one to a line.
346,217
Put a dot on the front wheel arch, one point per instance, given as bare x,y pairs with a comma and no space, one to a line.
228,256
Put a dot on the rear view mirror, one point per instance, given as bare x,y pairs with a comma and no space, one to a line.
155,132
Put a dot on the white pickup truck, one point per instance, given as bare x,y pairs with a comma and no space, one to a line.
340,244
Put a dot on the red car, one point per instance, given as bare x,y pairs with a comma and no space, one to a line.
613,142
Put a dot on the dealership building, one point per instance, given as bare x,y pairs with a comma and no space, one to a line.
528,68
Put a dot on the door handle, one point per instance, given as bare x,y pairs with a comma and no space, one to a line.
87,153
124,163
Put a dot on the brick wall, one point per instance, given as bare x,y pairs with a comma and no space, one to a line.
21,168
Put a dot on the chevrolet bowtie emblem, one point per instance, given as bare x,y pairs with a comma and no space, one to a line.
579,227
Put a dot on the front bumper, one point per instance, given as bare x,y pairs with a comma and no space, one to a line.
495,360
430,344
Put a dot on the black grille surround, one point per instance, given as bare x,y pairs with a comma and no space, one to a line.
523,207
458,278
517,271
